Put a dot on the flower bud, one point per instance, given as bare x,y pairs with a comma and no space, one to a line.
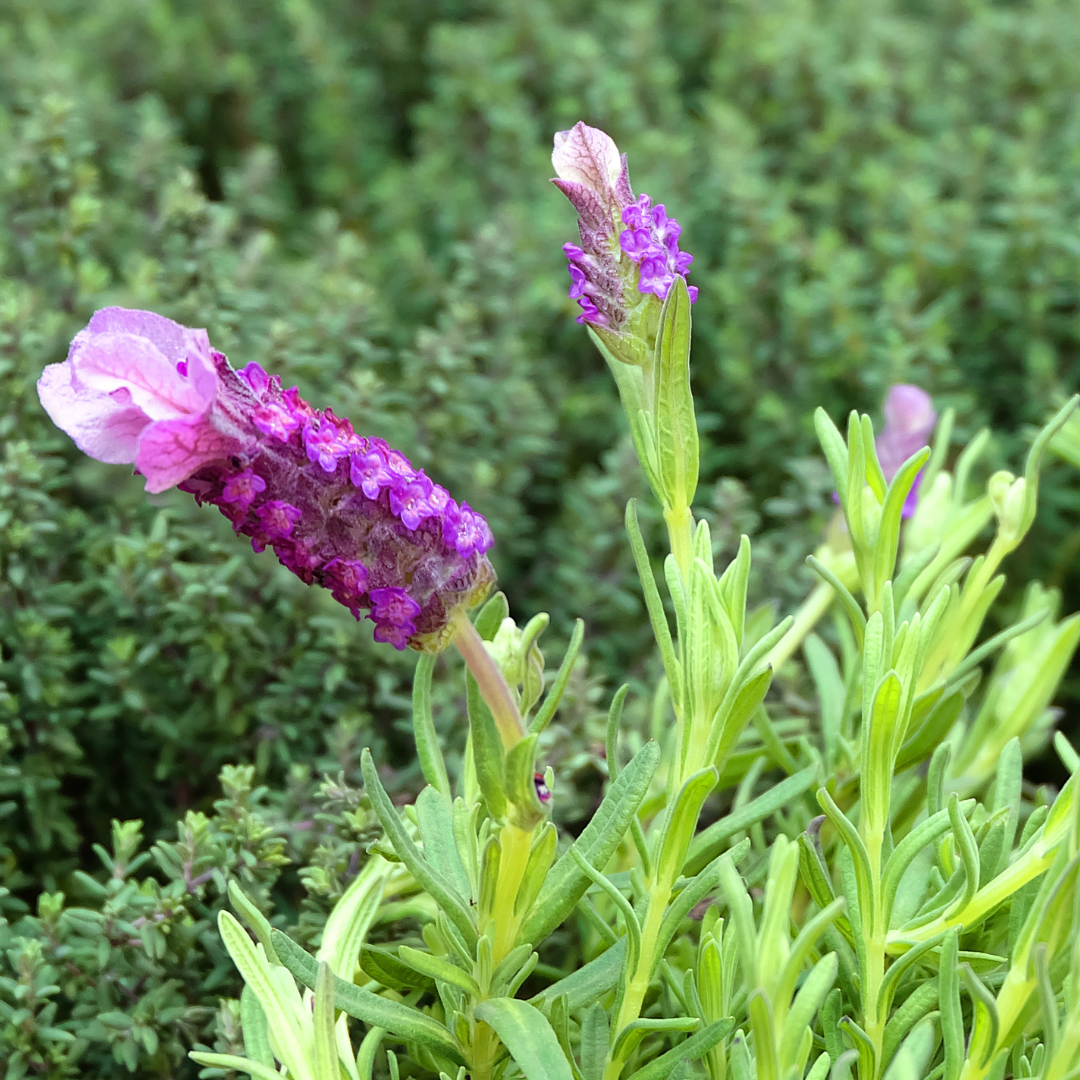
1007,496
629,248
340,510
520,659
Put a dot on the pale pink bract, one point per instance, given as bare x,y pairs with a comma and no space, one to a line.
141,389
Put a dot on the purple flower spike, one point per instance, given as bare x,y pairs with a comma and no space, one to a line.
141,389
909,423
615,265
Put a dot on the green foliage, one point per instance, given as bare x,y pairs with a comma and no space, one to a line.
355,196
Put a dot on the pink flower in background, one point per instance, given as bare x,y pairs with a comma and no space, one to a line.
339,510
909,423
138,388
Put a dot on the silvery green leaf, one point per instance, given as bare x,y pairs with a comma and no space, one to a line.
324,1042
428,750
629,1037
284,1017
914,1053
764,1030
255,920
698,1045
594,1042
708,843
401,1020
566,883
547,710
590,982
525,1032
817,984
382,965
233,1062
435,819
673,402
681,824
443,892
351,919
922,1000
254,1027
440,969
490,617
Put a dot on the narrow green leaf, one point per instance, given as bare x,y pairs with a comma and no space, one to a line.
967,849
255,1029
525,1032
382,965
594,1042
633,927
825,672
490,617
888,538
589,983
922,1000
233,1062
682,823
324,1044
850,604
708,843
808,1000
435,818
287,1037
698,1045
444,893
440,969
351,918
428,750
487,747
253,918
653,604
365,1058
547,710
673,402
761,1023
836,451
566,883
400,1020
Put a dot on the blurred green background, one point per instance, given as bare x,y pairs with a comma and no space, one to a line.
355,194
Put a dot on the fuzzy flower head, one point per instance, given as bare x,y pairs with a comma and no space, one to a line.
340,510
629,248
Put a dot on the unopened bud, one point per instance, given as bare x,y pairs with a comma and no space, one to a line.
1007,496
519,658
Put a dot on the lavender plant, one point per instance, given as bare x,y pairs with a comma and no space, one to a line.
876,893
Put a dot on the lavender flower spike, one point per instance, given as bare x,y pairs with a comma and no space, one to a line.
909,423
629,248
340,510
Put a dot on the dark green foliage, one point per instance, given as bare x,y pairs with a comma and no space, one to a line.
353,195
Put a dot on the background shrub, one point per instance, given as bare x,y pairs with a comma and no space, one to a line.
356,196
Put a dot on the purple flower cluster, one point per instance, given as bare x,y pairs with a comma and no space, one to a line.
613,264
320,495
338,509
652,241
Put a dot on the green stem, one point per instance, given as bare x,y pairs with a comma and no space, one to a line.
806,618
680,524
489,677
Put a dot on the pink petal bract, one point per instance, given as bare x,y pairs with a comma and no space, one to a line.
104,427
115,361
171,450
587,155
